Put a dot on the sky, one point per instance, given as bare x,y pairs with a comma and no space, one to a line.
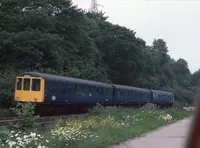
175,21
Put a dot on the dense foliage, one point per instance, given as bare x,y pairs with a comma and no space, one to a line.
55,36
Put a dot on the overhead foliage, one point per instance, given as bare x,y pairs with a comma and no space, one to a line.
55,36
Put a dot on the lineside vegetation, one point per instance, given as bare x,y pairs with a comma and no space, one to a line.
100,128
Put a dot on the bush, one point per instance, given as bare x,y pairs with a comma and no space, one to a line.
7,84
25,113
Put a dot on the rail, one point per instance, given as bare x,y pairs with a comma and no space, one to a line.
6,121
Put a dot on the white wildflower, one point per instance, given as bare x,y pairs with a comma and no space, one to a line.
33,135
11,143
25,136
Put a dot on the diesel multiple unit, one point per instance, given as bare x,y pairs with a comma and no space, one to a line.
42,88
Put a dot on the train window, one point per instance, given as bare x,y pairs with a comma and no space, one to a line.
107,92
53,87
36,84
119,94
83,90
97,92
26,84
62,89
19,84
76,93
70,89
101,91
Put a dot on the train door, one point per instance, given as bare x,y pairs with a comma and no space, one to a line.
37,89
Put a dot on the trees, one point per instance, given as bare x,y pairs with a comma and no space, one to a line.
57,37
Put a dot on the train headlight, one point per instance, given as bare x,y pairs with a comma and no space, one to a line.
53,98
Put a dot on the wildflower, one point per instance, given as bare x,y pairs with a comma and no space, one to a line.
33,135
25,136
47,141
11,143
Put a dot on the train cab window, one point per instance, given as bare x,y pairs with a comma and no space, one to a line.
19,84
36,84
27,84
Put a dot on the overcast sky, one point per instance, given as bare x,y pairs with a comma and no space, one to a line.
177,22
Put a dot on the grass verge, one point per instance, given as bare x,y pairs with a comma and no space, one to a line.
100,128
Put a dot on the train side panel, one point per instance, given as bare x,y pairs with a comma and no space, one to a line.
76,93
162,97
131,95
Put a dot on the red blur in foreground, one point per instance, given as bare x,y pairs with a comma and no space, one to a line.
194,137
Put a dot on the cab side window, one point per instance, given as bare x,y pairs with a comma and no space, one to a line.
19,84
36,84
26,84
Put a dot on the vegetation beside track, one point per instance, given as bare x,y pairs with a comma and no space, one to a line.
101,127
5,112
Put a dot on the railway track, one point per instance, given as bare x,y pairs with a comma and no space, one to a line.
6,121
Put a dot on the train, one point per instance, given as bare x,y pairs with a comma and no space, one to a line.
54,90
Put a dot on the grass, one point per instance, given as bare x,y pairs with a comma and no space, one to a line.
101,128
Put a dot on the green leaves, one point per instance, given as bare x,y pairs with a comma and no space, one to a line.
56,36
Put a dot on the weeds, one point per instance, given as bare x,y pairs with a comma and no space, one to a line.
25,113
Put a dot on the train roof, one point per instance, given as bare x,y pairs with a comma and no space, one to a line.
68,79
130,88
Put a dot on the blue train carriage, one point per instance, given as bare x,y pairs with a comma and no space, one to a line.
162,98
53,89
131,96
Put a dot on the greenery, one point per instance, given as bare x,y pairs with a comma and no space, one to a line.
26,115
102,127
54,36
5,112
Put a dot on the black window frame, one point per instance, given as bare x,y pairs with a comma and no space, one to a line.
25,86
19,87
62,88
32,87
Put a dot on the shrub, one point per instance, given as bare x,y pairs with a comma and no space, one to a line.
25,113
